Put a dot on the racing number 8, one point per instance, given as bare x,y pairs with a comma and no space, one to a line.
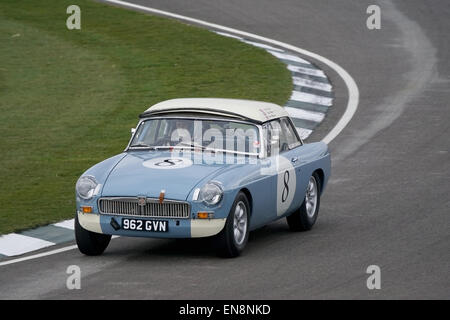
285,193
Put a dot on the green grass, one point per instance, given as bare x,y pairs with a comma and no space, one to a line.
69,97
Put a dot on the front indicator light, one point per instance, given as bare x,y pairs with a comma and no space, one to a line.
205,215
86,209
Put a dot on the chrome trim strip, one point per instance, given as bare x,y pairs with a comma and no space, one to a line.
195,195
128,206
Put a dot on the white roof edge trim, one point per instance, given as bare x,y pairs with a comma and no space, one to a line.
196,111
254,110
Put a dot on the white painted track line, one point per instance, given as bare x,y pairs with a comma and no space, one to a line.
289,57
312,84
311,98
264,46
9,244
308,71
39,255
305,114
68,224
229,35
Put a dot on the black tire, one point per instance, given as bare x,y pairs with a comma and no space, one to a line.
226,243
90,243
300,220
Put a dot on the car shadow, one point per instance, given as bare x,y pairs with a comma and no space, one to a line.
205,247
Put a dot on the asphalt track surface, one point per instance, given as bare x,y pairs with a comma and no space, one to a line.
387,202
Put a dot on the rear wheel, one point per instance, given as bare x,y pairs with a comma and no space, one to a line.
232,239
304,218
90,243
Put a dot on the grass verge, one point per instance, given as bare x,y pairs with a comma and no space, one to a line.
69,97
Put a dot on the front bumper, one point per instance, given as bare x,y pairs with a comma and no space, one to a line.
178,228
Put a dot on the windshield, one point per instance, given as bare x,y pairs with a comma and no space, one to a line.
203,134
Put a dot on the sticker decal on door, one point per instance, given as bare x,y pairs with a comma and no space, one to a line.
286,184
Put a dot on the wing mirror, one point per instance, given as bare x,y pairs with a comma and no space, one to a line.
133,130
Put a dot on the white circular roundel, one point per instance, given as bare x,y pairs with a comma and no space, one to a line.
168,163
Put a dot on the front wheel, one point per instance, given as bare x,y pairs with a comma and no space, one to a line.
304,218
90,243
232,239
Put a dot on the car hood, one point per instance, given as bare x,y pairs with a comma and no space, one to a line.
146,173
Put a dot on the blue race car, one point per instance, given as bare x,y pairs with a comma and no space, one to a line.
203,167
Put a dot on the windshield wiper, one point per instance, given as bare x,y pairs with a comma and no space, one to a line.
140,145
194,145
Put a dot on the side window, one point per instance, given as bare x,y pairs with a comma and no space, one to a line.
280,136
272,131
288,134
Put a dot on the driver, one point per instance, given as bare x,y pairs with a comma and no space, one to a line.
183,124
183,131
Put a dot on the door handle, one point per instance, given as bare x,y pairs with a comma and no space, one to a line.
294,160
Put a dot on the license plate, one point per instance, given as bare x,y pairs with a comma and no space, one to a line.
145,225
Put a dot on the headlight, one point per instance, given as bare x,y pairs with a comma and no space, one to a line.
211,193
86,187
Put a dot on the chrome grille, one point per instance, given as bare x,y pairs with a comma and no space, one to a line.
152,208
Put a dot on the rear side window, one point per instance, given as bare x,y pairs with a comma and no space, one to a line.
280,136
288,134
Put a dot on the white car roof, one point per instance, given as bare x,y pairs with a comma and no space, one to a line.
257,111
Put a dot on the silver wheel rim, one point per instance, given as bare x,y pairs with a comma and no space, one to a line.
240,222
311,197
